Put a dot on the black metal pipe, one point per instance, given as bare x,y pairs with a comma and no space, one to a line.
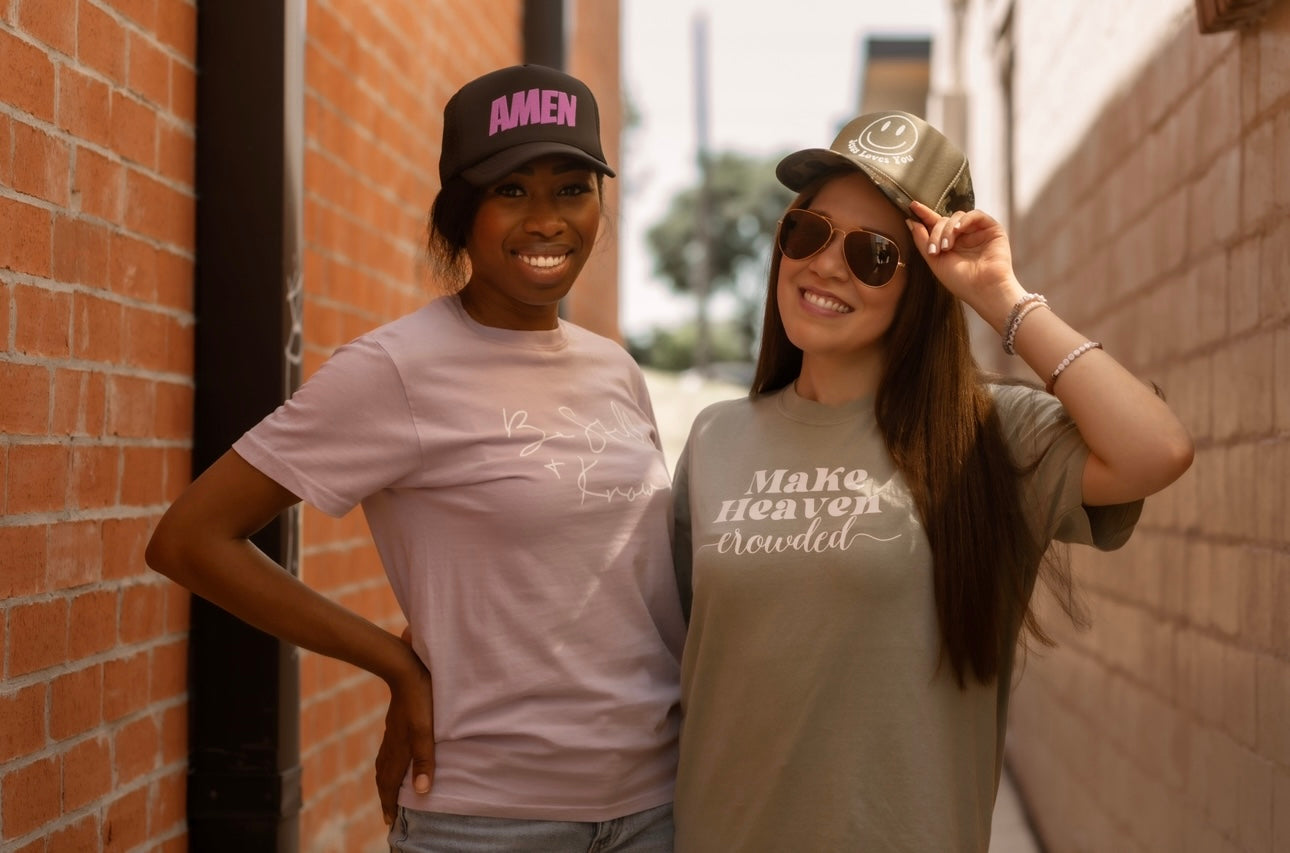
544,33
244,693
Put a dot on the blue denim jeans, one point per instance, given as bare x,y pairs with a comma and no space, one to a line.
649,831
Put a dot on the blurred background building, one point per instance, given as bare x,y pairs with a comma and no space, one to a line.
896,74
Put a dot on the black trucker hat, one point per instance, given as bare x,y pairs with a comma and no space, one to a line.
507,117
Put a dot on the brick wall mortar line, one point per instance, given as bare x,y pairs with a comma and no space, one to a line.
365,229
14,684
1102,317
90,441
337,546
114,227
337,592
1127,744
170,183
378,96
1096,784
97,808
105,730
365,133
413,209
37,519
349,307
132,26
107,369
125,23
322,251
365,180
373,48
110,154
55,285
1191,536
356,726
1086,783
1207,632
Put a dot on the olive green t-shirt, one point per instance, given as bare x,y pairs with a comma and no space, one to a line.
817,715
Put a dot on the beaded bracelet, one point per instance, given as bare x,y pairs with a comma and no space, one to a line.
1066,362
1010,340
1027,303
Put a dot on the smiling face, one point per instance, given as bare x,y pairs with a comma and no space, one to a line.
531,237
827,313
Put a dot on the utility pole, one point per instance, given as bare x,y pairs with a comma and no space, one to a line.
701,271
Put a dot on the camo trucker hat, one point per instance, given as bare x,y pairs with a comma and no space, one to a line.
905,156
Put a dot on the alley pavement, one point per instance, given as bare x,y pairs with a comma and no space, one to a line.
677,398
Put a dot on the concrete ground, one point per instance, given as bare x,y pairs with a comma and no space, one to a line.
677,398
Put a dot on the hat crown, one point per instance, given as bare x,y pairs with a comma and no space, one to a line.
906,157
498,121
880,136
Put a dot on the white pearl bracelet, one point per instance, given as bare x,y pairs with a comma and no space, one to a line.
1068,360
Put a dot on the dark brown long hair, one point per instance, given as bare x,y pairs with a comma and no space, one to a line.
938,419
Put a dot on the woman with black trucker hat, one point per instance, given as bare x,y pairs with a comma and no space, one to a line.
509,468
857,541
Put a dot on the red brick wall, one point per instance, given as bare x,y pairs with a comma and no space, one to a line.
1167,236
593,302
96,258
96,272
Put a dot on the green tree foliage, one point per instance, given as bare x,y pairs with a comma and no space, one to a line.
673,349
745,202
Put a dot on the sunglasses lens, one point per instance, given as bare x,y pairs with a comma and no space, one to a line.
872,257
803,233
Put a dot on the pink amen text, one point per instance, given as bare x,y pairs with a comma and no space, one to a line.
536,106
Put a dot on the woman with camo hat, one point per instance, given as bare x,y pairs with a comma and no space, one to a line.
857,541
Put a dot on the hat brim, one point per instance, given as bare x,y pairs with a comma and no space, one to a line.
503,163
798,169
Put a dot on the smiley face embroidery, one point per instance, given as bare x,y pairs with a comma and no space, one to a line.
891,136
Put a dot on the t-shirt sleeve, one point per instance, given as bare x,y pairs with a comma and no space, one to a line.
682,557
1051,452
641,390
345,433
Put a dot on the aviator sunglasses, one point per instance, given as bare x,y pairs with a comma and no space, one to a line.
872,258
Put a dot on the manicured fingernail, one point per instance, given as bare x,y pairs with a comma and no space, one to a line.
931,248
945,243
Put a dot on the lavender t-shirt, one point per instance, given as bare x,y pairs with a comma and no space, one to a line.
518,497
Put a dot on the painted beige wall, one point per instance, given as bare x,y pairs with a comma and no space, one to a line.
1151,208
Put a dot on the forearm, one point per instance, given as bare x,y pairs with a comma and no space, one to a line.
203,543
236,576
1138,444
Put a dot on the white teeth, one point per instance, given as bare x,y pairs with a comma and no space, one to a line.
826,303
542,261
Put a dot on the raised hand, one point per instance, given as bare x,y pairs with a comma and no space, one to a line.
969,253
